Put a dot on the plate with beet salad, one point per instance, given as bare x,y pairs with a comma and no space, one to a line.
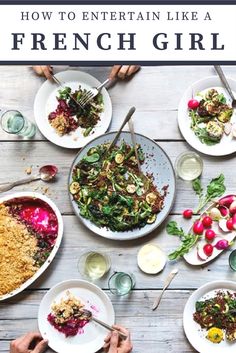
62,320
61,120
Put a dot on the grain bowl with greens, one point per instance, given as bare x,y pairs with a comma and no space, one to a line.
110,191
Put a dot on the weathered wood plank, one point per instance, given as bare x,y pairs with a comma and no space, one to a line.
78,240
147,327
155,91
17,157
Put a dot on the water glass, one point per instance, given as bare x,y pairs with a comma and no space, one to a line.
189,166
232,260
13,122
121,283
93,265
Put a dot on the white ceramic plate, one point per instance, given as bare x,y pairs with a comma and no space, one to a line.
227,144
195,335
45,102
92,337
55,248
157,163
192,256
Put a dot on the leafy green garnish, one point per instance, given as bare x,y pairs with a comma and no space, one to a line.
215,188
221,98
204,137
188,240
64,93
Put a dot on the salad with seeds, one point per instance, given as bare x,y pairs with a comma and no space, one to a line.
111,192
69,116
210,116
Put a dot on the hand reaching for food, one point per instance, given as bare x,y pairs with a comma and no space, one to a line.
45,71
114,344
117,71
30,343
123,71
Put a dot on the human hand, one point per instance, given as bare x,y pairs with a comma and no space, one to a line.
123,71
30,343
114,344
46,71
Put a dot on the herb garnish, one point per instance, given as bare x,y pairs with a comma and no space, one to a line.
188,240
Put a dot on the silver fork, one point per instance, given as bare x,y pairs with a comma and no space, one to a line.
92,93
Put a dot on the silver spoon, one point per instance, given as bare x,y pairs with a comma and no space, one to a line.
225,84
90,316
46,173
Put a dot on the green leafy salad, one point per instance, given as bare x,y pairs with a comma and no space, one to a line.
210,117
111,192
69,116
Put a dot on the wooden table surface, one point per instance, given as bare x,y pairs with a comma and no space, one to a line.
155,91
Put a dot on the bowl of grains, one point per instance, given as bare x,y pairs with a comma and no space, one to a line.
31,229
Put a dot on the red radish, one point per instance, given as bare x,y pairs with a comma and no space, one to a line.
215,214
210,234
224,211
227,200
198,227
232,207
201,254
223,225
222,244
187,213
234,221
208,249
229,224
207,221
193,104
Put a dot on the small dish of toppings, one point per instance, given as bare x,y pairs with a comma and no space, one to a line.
109,193
210,317
61,120
206,117
63,321
31,229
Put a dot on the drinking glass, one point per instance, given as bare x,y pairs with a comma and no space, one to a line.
121,283
189,166
13,122
232,260
94,265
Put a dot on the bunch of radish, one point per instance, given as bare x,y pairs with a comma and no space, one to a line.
224,213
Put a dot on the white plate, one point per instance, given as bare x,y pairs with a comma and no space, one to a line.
227,145
55,248
45,102
192,329
192,258
95,300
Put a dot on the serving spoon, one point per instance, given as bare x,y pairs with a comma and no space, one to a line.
89,316
46,173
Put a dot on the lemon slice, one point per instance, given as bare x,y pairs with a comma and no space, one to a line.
151,259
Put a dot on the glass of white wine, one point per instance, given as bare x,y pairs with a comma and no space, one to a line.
188,166
93,265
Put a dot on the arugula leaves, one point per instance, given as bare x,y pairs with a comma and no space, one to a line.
215,188
188,240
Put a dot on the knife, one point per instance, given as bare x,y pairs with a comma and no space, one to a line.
168,280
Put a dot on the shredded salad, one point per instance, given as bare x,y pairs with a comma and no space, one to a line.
111,192
69,116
